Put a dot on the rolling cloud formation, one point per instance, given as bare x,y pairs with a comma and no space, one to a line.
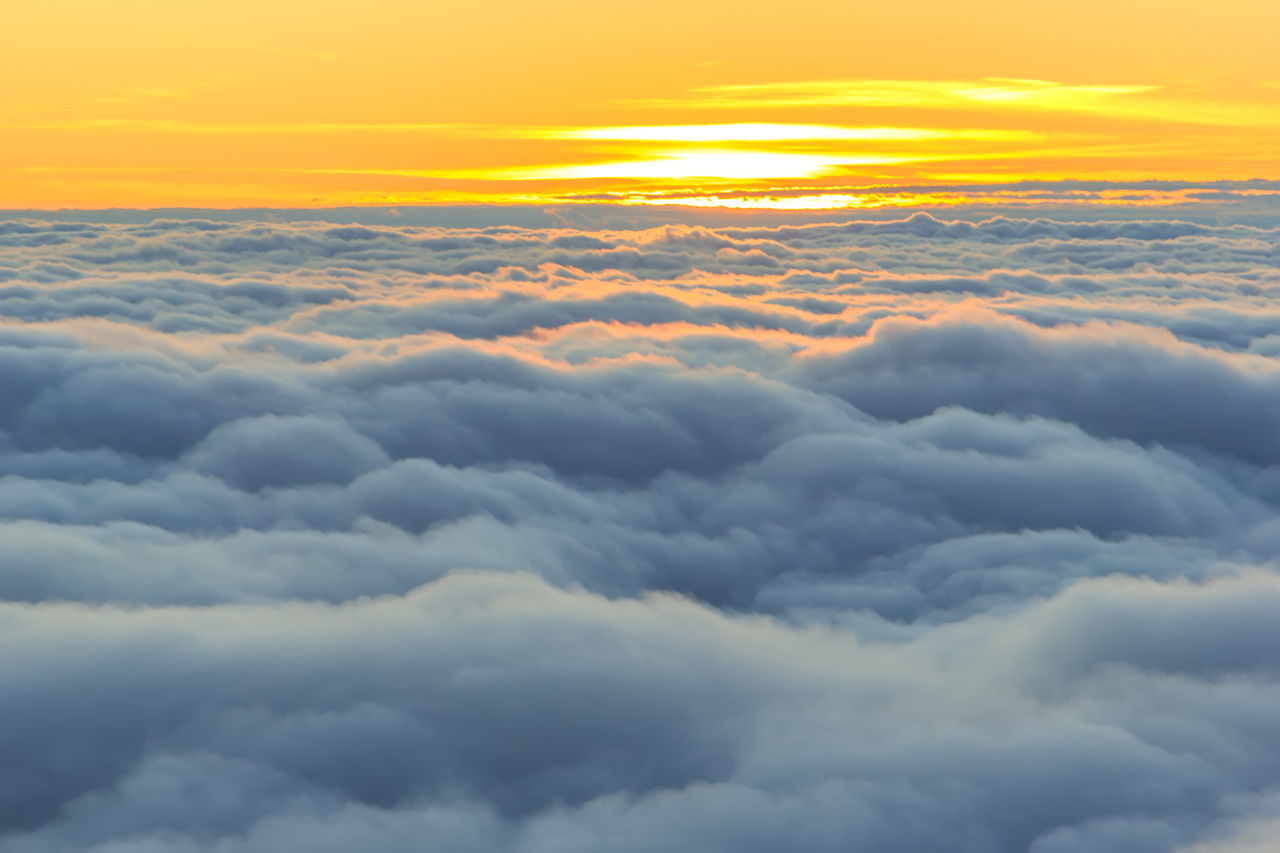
896,535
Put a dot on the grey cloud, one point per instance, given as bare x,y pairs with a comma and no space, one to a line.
692,532
555,718
255,453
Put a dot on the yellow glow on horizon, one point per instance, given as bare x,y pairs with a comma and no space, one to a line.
832,201
844,201
323,102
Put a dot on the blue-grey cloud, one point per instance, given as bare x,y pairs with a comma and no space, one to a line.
910,533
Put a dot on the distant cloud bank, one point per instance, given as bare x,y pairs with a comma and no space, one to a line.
899,535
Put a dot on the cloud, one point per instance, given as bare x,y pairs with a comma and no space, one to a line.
909,533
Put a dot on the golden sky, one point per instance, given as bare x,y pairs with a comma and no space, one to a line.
138,103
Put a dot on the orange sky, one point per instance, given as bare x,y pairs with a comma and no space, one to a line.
143,103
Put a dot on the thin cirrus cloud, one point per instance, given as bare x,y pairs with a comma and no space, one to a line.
776,132
1126,101
733,132
172,126
684,165
853,133
1025,94
666,166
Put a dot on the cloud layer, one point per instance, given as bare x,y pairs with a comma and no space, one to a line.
907,535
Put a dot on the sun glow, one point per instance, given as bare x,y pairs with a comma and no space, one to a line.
685,165
150,103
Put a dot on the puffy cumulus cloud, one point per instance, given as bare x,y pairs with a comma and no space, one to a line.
907,534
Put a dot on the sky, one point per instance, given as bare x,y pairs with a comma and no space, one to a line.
143,103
